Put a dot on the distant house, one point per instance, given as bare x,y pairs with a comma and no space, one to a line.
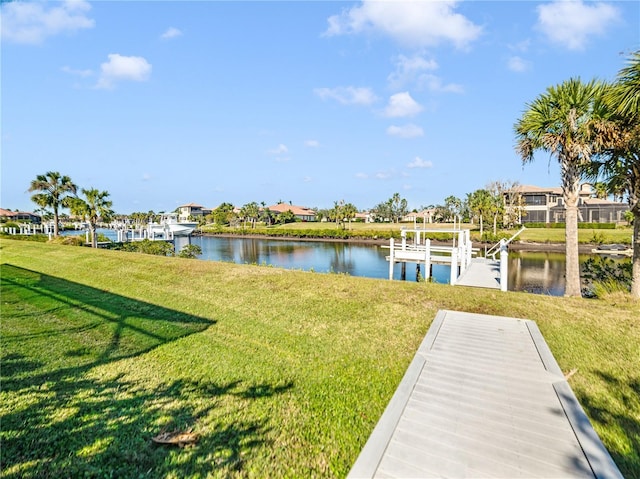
364,216
545,205
300,212
192,210
6,215
425,215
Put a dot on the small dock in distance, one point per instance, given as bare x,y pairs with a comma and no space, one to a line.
466,268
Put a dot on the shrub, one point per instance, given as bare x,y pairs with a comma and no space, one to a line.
191,251
158,248
603,275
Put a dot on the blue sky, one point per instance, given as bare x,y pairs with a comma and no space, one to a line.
168,103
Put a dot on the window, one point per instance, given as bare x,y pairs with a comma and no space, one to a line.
535,200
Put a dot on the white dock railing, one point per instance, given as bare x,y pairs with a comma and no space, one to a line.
458,255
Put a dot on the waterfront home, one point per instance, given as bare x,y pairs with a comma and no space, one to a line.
300,212
545,205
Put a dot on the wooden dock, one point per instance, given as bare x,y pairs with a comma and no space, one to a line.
484,397
481,273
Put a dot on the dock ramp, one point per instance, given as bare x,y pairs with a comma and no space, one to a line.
484,397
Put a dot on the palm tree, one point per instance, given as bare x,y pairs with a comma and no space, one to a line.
349,212
563,121
95,206
53,190
481,204
620,164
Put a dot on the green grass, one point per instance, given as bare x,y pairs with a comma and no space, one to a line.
385,230
281,373
556,235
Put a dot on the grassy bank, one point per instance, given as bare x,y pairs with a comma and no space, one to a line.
281,373
384,231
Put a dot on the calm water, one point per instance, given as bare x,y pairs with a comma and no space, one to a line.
535,272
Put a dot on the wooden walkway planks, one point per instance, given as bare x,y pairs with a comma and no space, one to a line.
483,397
482,273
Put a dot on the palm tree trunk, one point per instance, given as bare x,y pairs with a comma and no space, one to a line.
55,221
570,193
635,275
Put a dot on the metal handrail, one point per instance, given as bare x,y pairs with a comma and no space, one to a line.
496,246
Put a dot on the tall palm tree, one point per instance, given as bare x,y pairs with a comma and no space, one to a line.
95,206
480,203
563,121
53,190
620,164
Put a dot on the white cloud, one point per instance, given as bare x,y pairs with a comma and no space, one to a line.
517,64
32,22
279,150
80,73
312,143
406,131
383,175
362,176
171,33
571,23
402,105
121,68
420,163
347,95
414,23
434,83
417,71
410,70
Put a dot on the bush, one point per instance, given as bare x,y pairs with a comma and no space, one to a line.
603,276
37,238
68,240
158,248
190,251
582,226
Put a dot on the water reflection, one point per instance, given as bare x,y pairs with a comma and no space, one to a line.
535,272
541,273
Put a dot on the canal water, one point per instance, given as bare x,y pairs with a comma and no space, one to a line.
535,272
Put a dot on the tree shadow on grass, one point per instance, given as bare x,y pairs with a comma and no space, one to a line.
62,328
624,418
59,420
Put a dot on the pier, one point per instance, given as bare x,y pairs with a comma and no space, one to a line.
466,268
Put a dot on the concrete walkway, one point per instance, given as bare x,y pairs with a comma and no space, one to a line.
484,397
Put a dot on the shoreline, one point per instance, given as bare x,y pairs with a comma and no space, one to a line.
584,248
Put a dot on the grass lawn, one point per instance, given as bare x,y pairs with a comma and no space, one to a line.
556,235
281,373
533,235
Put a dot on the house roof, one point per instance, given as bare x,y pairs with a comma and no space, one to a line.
538,189
602,202
11,214
296,210
191,205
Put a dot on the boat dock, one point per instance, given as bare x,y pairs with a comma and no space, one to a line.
483,397
481,273
466,268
